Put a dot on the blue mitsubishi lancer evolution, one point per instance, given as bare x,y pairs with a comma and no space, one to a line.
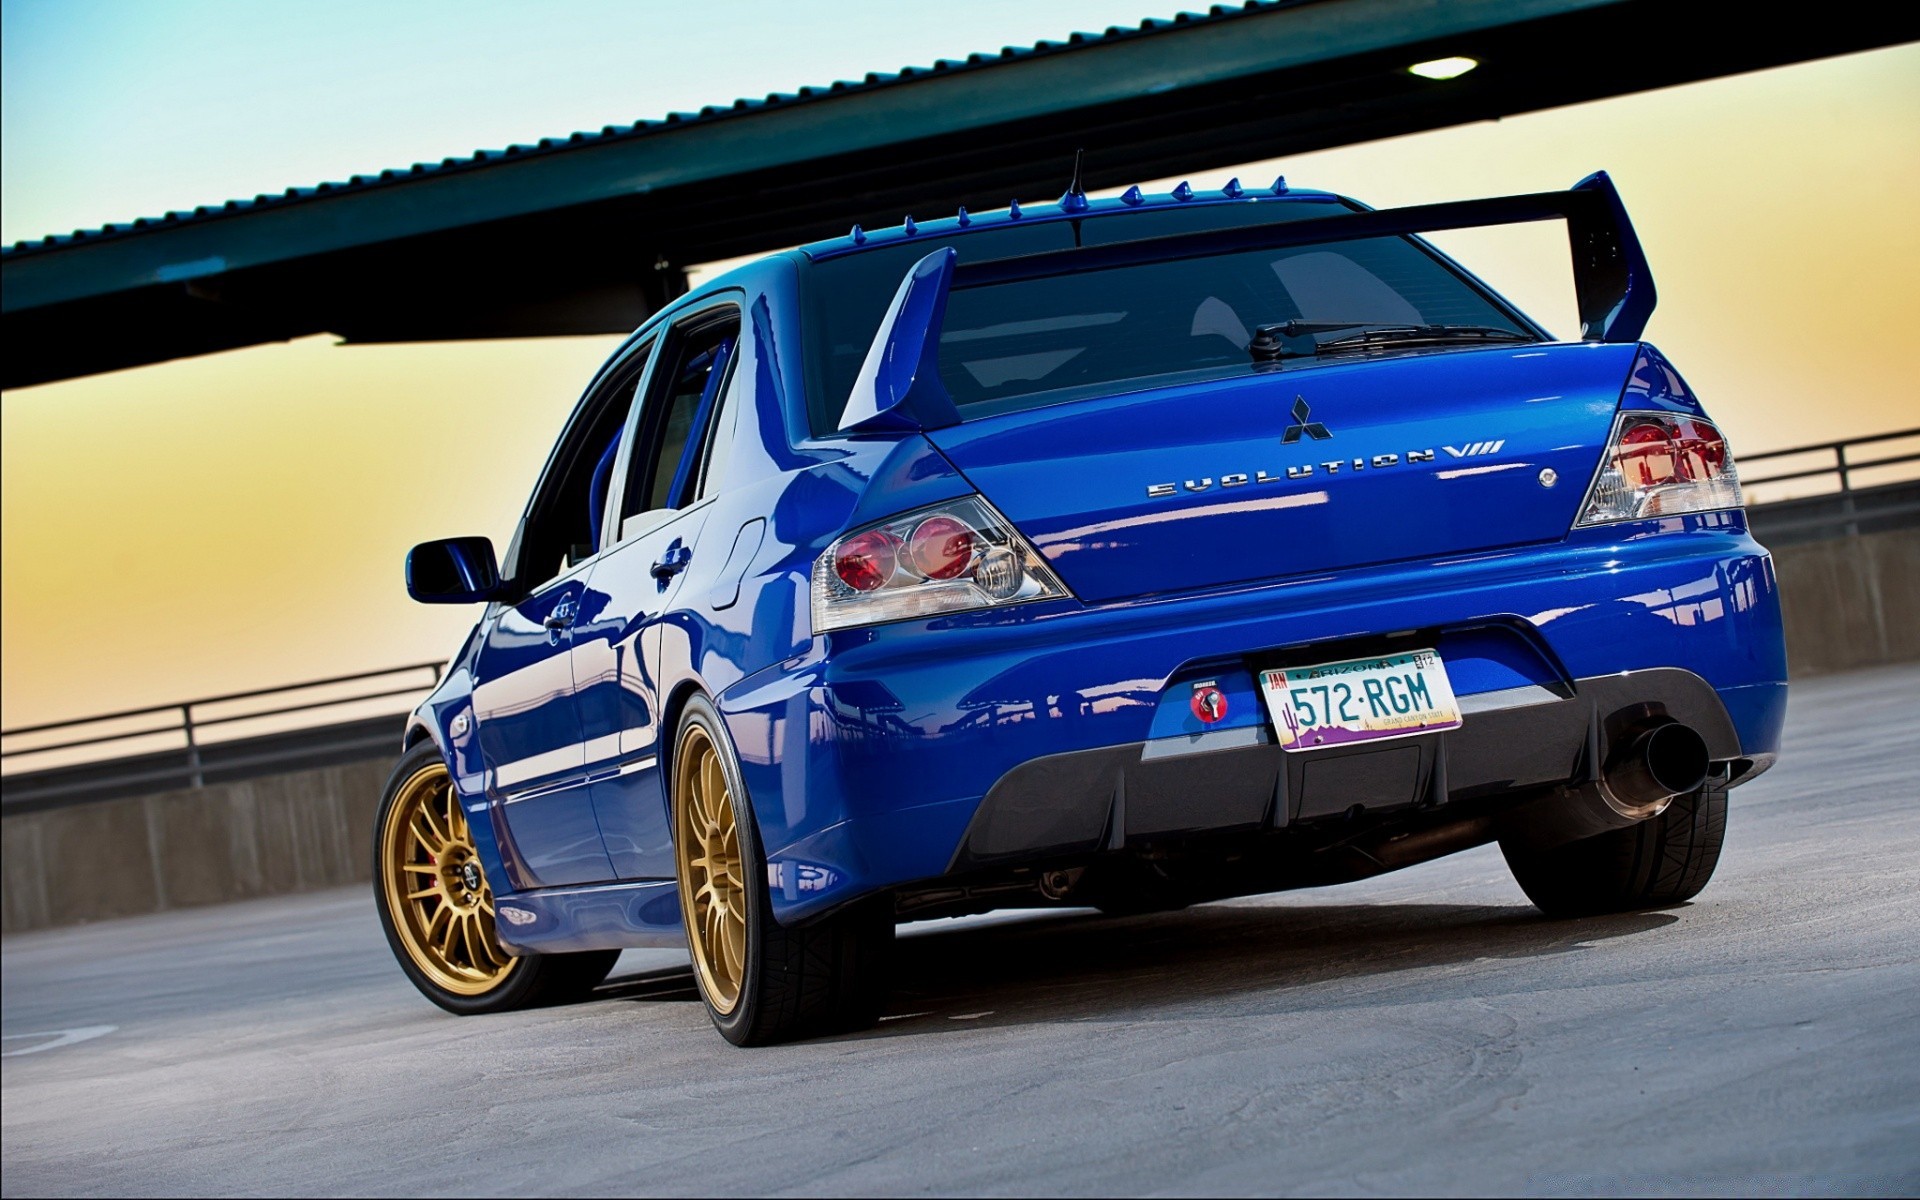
1124,554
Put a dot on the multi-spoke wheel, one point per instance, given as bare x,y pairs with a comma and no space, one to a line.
437,906
707,849
762,981
436,890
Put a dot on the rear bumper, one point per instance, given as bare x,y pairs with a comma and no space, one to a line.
1512,744
902,753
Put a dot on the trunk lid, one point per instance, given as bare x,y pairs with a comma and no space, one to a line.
1306,470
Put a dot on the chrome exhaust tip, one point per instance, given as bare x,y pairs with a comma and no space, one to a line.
1655,765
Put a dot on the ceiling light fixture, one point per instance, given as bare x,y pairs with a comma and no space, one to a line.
1444,68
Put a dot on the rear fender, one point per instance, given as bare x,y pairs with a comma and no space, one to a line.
913,475
1655,384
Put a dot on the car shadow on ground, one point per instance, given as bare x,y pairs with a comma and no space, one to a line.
1094,966
1078,965
664,984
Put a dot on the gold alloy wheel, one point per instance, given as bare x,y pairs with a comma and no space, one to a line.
713,894
436,892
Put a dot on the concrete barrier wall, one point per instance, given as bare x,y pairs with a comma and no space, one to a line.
1849,602
260,837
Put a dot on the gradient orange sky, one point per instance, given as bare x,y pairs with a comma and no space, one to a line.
239,520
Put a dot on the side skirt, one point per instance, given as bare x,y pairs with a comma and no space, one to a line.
606,916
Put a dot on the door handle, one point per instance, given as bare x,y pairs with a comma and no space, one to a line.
673,562
558,621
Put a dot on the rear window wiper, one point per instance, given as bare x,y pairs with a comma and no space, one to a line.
1270,342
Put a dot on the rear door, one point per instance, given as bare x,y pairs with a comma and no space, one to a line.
654,536
524,701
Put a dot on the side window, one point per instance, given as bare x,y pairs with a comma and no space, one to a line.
713,459
678,420
568,515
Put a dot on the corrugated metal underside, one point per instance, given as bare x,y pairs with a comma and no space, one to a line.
586,234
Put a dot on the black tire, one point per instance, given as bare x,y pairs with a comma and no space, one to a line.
827,976
529,981
1657,863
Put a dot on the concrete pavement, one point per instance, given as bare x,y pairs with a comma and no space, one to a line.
1422,1032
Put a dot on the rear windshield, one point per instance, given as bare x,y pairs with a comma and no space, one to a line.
1009,346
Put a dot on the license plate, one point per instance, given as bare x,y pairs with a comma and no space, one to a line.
1360,700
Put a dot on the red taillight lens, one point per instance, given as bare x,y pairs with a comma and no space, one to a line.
940,548
866,561
1661,464
1702,451
1646,455
953,557
1670,450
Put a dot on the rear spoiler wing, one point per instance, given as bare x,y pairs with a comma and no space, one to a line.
899,385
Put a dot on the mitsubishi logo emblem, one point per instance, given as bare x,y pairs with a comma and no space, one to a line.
1312,429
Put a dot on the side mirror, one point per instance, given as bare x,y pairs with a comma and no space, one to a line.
453,571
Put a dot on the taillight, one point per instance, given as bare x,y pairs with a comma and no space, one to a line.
1659,464
866,561
940,547
952,557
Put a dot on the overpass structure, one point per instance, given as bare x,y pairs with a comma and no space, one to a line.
589,232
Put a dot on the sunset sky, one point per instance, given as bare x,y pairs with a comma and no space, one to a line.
239,520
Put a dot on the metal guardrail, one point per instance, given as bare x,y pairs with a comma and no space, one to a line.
1845,504
1842,468
189,722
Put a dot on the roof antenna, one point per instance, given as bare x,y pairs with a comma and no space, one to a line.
1075,199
